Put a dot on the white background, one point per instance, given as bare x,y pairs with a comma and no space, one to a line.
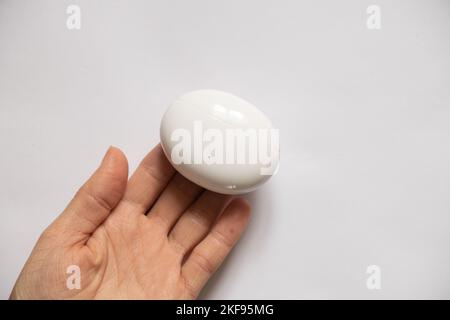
364,117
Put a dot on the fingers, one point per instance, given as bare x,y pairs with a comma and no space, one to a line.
175,199
97,197
209,254
149,179
196,222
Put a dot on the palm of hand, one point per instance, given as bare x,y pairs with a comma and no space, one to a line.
154,236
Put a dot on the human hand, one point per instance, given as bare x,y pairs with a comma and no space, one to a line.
154,236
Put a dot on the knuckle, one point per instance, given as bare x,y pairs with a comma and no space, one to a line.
222,239
203,262
200,216
93,200
152,172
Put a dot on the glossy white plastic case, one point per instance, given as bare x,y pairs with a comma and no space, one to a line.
196,118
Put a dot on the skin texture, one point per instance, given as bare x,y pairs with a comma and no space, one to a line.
153,236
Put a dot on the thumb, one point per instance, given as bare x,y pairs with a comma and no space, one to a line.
96,199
